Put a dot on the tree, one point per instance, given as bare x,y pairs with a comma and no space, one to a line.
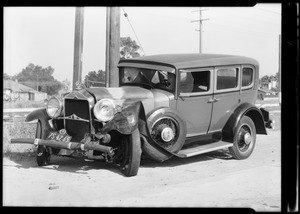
6,76
276,77
264,81
94,78
39,78
129,48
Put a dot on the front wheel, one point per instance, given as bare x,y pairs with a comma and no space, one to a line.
244,139
42,152
130,154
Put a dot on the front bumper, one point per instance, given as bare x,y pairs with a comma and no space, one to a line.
63,145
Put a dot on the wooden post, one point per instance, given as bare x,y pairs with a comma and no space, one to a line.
112,46
78,46
279,70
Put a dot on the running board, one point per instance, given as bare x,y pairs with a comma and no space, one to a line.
200,149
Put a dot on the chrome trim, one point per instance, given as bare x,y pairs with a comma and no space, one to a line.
74,117
61,106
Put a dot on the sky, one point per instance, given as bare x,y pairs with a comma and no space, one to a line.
44,36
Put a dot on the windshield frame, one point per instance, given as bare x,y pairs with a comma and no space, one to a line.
156,68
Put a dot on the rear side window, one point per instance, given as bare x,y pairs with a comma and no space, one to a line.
196,81
227,78
247,77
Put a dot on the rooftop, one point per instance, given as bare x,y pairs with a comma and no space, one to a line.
16,87
192,60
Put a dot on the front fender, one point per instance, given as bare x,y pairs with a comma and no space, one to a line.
42,116
246,109
37,114
132,117
127,120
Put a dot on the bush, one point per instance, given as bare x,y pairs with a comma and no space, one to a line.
18,129
24,104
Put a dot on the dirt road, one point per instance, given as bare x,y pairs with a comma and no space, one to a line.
209,180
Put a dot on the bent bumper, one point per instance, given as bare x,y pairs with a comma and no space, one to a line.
63,145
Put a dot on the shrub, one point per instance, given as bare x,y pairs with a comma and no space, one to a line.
18,129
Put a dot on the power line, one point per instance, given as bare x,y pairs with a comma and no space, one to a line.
126,15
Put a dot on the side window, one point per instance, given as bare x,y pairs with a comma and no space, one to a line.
247,77
196,81
227,78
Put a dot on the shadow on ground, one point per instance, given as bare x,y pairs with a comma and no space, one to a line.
80,165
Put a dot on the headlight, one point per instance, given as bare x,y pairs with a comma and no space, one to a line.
54,107
104,110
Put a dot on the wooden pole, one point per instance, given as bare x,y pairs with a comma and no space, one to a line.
279,70
78,46
112,46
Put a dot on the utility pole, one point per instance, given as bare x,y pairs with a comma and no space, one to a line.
112,46
200,27
279,70
78,46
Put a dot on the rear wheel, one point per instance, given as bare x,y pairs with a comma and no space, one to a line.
244,139
42,152
129,154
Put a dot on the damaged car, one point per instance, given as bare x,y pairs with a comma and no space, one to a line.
169,105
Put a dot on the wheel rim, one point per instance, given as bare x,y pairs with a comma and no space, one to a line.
244,138
165,132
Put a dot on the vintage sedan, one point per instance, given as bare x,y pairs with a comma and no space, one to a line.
166,105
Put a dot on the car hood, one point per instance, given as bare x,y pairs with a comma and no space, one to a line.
129,94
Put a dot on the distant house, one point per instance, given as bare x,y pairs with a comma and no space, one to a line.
14,91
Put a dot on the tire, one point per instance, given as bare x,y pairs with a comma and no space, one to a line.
42,152
131,154
244,139
159,120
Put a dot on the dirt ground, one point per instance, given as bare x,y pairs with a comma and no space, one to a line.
209,180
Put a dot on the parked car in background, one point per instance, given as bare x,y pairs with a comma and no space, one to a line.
166,105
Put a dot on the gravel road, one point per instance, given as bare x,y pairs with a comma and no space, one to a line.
209,180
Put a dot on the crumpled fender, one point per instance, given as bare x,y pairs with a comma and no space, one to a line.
125,121
133,116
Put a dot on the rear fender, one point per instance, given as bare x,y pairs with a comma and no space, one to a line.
246,109
42,116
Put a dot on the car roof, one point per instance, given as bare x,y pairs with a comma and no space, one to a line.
191,60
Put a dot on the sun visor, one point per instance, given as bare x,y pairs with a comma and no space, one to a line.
148,66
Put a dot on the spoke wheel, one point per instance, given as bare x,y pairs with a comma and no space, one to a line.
165,132
167,129
244,139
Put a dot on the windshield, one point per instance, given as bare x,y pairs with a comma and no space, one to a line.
147,77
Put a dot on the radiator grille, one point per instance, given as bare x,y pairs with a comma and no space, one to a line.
77,128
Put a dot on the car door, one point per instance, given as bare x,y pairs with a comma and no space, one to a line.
226,95
195,94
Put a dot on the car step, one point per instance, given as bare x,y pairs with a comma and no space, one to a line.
204,148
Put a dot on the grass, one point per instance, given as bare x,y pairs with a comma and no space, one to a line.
23,104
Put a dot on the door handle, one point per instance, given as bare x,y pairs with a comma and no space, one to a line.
212,100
